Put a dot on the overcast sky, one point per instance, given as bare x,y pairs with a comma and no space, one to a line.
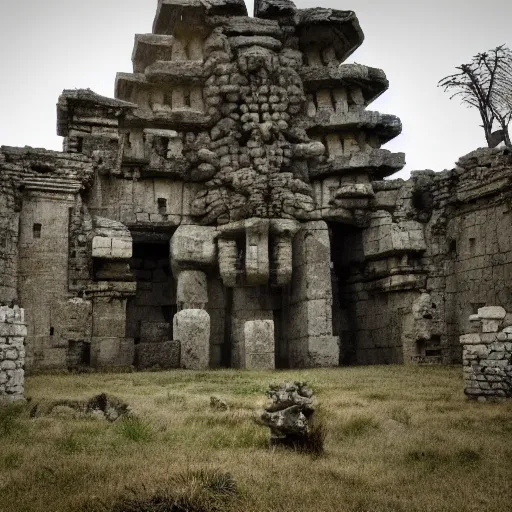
47,46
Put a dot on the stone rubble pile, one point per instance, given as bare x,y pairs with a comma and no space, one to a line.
487,355
12,353
289,414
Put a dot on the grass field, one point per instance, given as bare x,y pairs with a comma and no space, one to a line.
398,439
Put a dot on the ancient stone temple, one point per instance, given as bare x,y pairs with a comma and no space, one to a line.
229,208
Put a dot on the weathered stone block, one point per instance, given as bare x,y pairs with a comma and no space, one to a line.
490,325
259,344
193,246
107,352
192,330
492,313
470,339
192,289
164,355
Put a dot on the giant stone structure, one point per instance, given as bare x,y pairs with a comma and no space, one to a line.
229,208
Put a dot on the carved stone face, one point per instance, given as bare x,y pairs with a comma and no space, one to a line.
258,96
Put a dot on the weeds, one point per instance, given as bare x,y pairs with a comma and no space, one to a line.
135,429
195,491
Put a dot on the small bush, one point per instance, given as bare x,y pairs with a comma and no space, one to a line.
135,429
213,481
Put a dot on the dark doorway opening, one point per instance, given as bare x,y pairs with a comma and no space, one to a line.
150,312
347,264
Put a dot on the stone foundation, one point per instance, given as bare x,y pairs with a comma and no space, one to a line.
487,355
12,353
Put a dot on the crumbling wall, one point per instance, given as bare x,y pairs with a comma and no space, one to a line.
487,355
469,241
12,353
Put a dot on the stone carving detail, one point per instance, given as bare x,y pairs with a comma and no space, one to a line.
255,89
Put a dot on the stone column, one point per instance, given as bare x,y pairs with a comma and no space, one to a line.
311,343
192,247
12,353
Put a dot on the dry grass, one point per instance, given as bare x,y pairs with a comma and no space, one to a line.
397,439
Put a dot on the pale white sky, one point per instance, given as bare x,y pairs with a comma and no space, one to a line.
48,46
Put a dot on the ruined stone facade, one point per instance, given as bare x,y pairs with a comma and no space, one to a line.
229,208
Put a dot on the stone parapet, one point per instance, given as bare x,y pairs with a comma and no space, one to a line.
487,356
12,353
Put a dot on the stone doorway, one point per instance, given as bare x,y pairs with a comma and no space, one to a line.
347,262
150,312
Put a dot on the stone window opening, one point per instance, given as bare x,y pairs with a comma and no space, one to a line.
452,248
162,205
472,246
36,230
52,331
186,98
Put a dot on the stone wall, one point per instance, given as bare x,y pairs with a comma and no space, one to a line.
12,353
487,355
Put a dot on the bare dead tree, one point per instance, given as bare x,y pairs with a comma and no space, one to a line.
486,84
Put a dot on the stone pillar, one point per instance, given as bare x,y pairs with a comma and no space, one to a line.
12,353
192,247
192,330
487,356
259,345
192,290
311,343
